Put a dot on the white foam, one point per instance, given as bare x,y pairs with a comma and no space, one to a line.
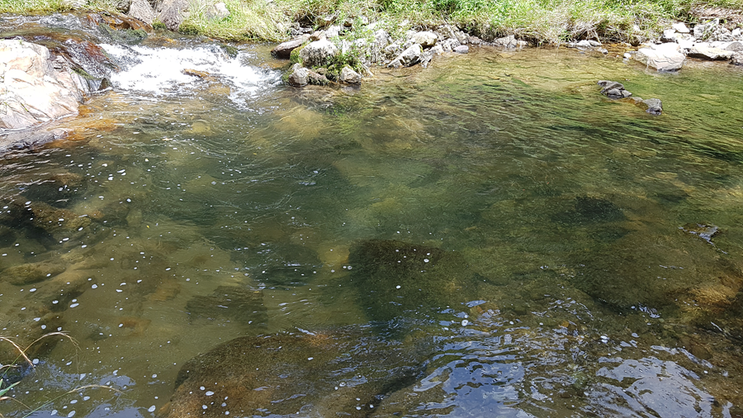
159,71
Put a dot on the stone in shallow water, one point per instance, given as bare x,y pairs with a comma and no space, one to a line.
312,374
397,279
229,303
591,210
31,273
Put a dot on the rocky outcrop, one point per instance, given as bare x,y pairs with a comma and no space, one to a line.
36,87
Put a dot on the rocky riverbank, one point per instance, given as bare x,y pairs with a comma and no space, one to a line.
47,72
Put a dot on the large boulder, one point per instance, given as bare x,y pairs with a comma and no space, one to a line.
663,57
408,57
284,50
318,53
707,52
172,13
425,39
35,87
317,374
142,10
349,76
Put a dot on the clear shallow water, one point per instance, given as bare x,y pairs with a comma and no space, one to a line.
565,270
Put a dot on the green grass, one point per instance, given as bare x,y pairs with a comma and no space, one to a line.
535,20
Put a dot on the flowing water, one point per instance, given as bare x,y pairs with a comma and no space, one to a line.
582,258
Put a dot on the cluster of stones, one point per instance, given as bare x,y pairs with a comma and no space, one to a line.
615,90
171,13
317,49
708,41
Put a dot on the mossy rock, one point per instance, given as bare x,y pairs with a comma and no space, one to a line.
398,280
265,373
30,273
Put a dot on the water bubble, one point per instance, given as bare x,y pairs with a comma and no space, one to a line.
209,393
398,286
71,414
465,322
151,409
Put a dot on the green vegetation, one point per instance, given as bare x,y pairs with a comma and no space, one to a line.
535,20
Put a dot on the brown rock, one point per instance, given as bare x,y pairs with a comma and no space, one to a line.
284,50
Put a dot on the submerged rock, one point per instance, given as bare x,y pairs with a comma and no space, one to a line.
397,279
30,273
36,87
312,374
229,303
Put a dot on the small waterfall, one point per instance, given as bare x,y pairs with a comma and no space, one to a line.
171,71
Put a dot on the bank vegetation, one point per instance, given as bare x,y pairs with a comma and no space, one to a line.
536,21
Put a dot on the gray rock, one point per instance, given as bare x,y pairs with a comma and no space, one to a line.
349,76
298,76
284,49
736,46
664,57
218,11
613,89
428,55
737,58
333,31
709,53
34,88
654,106
318,53
74,4
172,13
510,42
142,10
680,27
669,35
450,44
317,79
700,31
425,39
584,44
410,56
462,49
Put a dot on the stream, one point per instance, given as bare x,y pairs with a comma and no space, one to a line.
486,237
